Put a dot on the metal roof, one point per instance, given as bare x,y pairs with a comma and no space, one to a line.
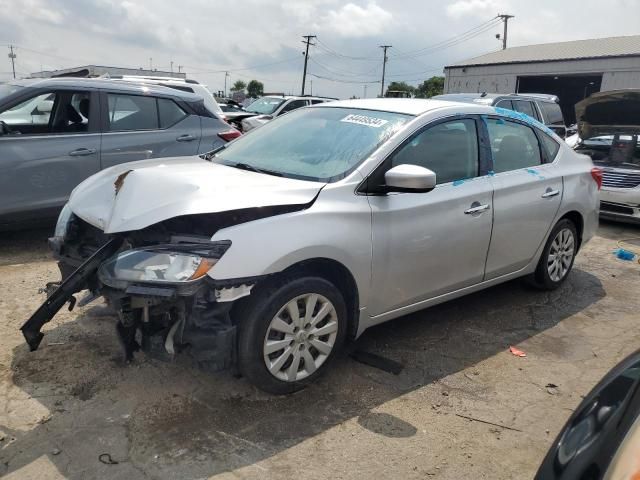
549,52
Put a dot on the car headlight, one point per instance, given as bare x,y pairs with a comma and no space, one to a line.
178,263
63,221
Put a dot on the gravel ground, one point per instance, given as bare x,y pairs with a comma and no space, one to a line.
64,406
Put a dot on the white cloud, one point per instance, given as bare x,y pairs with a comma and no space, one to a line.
463,8
352,21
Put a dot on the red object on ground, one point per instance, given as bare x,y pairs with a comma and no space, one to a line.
516,352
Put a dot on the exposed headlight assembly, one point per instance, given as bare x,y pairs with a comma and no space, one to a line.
63,221
162,264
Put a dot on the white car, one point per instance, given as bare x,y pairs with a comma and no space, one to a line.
609,132
267,108
319,225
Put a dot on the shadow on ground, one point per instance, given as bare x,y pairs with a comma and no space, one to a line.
25,246
169,420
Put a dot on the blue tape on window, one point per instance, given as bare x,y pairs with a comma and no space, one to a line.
457,183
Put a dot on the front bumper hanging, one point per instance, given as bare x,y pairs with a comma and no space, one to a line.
72,284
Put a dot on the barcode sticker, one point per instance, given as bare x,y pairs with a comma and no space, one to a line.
364,120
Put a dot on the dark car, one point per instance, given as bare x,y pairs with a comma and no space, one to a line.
544,108
54,133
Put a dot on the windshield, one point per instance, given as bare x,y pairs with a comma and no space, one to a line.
265,105
7,89
320,144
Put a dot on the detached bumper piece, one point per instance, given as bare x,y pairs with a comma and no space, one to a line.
64,293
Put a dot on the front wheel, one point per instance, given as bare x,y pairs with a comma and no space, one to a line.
289,333
557,257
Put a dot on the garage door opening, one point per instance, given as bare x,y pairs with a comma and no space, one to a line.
570,89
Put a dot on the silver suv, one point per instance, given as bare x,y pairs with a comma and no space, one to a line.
319,225
54,133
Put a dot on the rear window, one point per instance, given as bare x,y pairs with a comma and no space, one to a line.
552,113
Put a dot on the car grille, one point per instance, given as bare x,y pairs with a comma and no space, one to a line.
620,179
615,208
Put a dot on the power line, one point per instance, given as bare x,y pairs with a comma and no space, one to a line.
324,47
343,73
359,82
453,41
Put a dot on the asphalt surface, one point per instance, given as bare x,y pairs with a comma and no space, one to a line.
74,410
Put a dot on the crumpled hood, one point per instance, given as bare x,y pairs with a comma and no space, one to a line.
608,113
135,195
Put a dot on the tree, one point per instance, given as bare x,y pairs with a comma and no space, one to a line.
255,89
431,87
238,86
399,87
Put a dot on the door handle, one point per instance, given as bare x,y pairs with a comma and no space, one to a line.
476,208
185,138
81,152
550,193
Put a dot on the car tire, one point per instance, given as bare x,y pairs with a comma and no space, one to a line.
268,331
557,257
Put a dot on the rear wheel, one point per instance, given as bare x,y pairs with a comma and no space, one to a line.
289,333
557,257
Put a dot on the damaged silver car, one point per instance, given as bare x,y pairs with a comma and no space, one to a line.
275,249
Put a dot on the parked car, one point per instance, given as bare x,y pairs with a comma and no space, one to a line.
542,107
234,113
185,85
319,225
269,107
609,132
601,440
54,133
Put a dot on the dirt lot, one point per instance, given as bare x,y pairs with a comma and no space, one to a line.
73,400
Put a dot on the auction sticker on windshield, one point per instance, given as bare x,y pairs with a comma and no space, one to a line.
364,120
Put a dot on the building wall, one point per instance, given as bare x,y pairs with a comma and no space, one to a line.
621,72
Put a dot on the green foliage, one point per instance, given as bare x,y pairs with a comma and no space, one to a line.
255,89
238,86
431,87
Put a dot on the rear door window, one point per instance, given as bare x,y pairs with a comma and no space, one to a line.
550,145
132,112
525,106
514,146
504,104
552,113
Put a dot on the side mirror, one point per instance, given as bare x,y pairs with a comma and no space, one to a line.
410,178
600,440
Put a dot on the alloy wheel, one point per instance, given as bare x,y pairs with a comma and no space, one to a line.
300,337
560,255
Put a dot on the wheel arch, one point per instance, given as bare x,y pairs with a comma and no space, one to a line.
336,273
576,218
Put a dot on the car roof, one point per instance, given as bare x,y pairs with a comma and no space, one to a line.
408,106
107,84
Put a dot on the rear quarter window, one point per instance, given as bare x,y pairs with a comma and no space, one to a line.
550,146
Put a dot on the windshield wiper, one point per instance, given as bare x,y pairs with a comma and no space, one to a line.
251,168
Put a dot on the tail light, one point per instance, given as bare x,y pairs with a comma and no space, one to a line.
596,173
229,135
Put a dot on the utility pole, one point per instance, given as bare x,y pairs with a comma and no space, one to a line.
307,41
12,56
311,86
505,19
384,66
226,74
150,63
171,68
179,68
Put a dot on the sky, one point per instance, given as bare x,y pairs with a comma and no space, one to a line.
262,39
